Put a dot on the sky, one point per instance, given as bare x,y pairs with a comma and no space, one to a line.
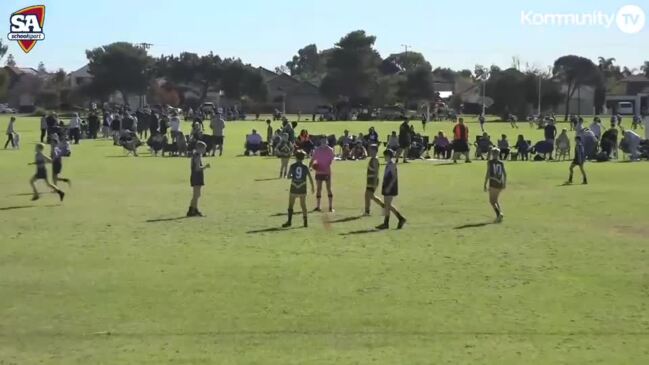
456,34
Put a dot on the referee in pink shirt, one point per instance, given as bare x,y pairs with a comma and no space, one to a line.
323,157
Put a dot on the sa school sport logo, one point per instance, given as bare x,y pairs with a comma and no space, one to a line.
26,26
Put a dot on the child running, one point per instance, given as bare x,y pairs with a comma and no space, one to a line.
390,190
323,157
496,177
41,173
56,154
299,174
197,178
579,160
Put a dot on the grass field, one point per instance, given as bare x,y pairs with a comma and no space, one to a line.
115,275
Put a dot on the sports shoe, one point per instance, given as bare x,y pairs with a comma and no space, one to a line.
286,225
61,195
500,218
197,213
317,210
35,197
383,227
585,182
402,222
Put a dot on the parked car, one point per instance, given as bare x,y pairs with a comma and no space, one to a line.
4,109
208,107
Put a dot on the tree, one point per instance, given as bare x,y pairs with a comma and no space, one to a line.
551,94
575,72
282,69
645,68
417,86
504,87
3,49
121,67
352,69
445,74
407,61
309,64
11,62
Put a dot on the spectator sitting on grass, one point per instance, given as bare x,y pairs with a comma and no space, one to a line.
609,142
358,152
543,150
441,145
253,143
483,146
523,148
417,148
503,146
393,141
345,143
304,142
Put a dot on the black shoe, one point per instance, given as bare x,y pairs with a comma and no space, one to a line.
317,210
383,227
585,182
306,223
61,195
402,222
197,213
35,197
190,212
286,225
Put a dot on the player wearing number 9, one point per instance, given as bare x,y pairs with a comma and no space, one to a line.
299,174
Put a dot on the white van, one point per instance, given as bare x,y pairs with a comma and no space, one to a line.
625,107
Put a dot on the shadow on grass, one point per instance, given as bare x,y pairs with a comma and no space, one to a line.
16,207
167,219
30,194
474,225
284,214
271,230
269,179
345,220
446,164
363,231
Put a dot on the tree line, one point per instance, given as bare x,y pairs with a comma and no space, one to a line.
351,72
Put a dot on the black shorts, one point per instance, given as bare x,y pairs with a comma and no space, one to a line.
495,185
391,192
41,174
322,177
370,189
460,146
57,167
218,140
197,180
298,191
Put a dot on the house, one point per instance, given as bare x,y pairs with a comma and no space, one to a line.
24,84
82,77
79,77
290,94
636,91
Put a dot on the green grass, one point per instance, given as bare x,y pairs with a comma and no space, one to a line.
564,280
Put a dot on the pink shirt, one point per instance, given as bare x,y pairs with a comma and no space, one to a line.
324,156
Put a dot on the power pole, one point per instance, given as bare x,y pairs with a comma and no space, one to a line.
405,47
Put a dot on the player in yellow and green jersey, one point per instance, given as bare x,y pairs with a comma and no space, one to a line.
299,174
